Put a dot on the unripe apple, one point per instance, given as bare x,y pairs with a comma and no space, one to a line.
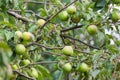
41,22
115,15
18,34
26,62
75,18
63,15
34,72
83,67
20,49
92,29
67,67
71,9
68,50
14,67
27,36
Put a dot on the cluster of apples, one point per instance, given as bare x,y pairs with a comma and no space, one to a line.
26,37
33,72
71,10
24,62
83,67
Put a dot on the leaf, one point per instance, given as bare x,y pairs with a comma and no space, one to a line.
99,39
95,73
7,24
8,35
113,49
45,72
5,53
61,76
42,12
99,4
5,48
40,76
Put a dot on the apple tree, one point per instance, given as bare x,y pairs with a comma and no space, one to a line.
59,40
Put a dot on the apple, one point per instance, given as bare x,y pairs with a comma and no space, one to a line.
75,18
115,15
20,49
92,29
26,62
71,9
68,50
83,67
27,36
34,73
14,67
41,22
63,15
67,67
18,34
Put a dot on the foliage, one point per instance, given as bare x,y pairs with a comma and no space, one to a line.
43,58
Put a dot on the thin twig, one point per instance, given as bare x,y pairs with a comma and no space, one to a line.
80,42
19,73
36,2
71,28
42,62
63,40
43,46
18,16
27,11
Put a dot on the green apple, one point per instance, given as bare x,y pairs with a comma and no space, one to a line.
27,36
14,67
68,50
18,34
41,22
34,73
83,67
63,15
75,18
26,62
20,49
67,67
71,9
115,15
92,29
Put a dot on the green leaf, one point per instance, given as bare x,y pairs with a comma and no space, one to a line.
100,4
7,24
95,73
5,53
40,76
45,72
42,12
8,35
99,39
5,48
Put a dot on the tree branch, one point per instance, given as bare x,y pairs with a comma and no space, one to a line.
27,11
21,74
51,48
80,42
18,16
36,2
42,62
71,28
